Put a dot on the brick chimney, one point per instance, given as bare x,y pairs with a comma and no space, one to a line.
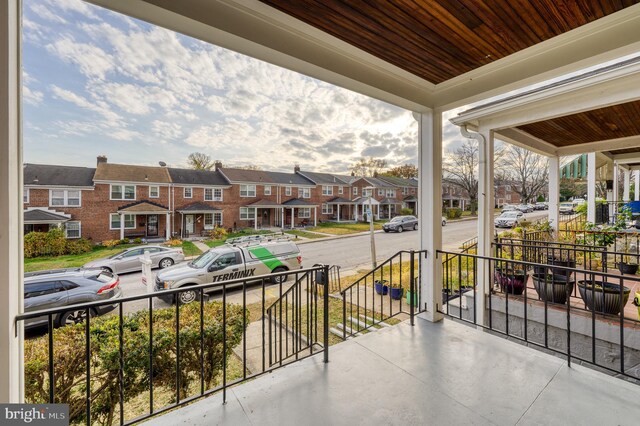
296,168
217,164
102,159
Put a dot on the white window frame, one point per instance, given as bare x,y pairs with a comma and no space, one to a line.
355,190
304,192
66,230
249,213
249,191
267,190
157,189
367,192
122,191
327,208
212,223
122,217
287,191
304,213
205,195
327,190
65,198
25,196
405,190
340,190
380,192
391,193
184,192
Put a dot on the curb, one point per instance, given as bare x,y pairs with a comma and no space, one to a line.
337,237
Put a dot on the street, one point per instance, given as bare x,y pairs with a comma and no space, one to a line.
351,253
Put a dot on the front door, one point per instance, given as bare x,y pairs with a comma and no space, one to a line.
189,224
266,218
152,225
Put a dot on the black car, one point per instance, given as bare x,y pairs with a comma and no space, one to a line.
401,223
67,287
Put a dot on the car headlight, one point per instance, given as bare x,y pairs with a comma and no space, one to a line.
168,284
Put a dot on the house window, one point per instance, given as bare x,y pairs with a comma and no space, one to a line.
287,191
304,193
213,194
247,190
247,213
123,192
366,192
217,194
72,230
327,190
327,209
267,190
188,193
380,192
405,190
154,192
304,213
340,190
208,196
64,197
129,221
25,196
355,190
211,220
391,193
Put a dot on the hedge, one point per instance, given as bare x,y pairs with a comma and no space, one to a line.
53,243
70,364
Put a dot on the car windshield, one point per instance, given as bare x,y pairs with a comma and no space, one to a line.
204,259
566,204
117,254
509,214
397,219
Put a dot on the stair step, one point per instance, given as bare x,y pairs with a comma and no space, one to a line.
349,330
376,322
337,332
356,321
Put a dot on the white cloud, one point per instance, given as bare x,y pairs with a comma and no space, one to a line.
77,6
91,60
97,107
166,130
34,97
45,13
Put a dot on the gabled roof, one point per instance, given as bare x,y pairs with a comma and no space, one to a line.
264,203
197,208
389,201
131,173
339,200
398,181
289,178
197,177
33,216
294,202
264,177
366,200
375,182
143,206
325,178
54,175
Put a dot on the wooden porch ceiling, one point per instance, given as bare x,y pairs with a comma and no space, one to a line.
438,40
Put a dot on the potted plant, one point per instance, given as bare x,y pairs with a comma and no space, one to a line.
628,262
395,291
381,287
412,298
553,288
602,296
510,280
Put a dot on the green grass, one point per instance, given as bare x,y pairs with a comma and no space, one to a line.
190,249
304,234
345,228
71,260
243,233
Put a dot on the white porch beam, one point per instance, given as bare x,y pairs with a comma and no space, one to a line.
554,192
430,208
627,186
525,140
606,145
168,226
121,225
627,158
11,215
616,179
591,187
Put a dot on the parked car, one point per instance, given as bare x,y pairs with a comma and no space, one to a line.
508,208
228,262
507,219
566,208
444,221
579,201
129,260
67,287
401,223
524,208
541,206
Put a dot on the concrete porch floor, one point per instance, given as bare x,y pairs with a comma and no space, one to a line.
436,374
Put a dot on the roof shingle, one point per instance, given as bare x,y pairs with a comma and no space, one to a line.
54,175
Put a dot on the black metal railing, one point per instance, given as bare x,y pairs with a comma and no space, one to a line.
468,245
533,302
148,356
389,290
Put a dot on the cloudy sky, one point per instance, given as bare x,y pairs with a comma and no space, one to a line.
96,82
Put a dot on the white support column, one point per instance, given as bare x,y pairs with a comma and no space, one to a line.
591,187
255,218
282,217
636,188
293,218
338,207
168,227
121,226
554,191
430,210
486,202
315,216
11,215
627,186
616,195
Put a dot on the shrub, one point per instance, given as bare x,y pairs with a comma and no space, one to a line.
111,243
218,233
79,246
137,241
70,364
124,241
454,213
53,243
406,211
174,242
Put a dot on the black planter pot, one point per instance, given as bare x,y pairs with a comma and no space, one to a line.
510,281
604,298
628,268
553,288
545,270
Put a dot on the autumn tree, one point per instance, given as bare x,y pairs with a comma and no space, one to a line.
527,170
369,166
406,171
461,169
200,161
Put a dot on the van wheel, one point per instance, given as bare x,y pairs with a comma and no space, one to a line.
75,317
280,278
187,296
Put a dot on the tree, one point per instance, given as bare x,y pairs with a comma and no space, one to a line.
369,166
529,172
406,171
200,161
461,168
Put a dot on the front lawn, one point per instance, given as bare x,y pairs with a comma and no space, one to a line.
335,228
304,234
190,249
71,260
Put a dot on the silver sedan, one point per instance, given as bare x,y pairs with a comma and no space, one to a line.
129,260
